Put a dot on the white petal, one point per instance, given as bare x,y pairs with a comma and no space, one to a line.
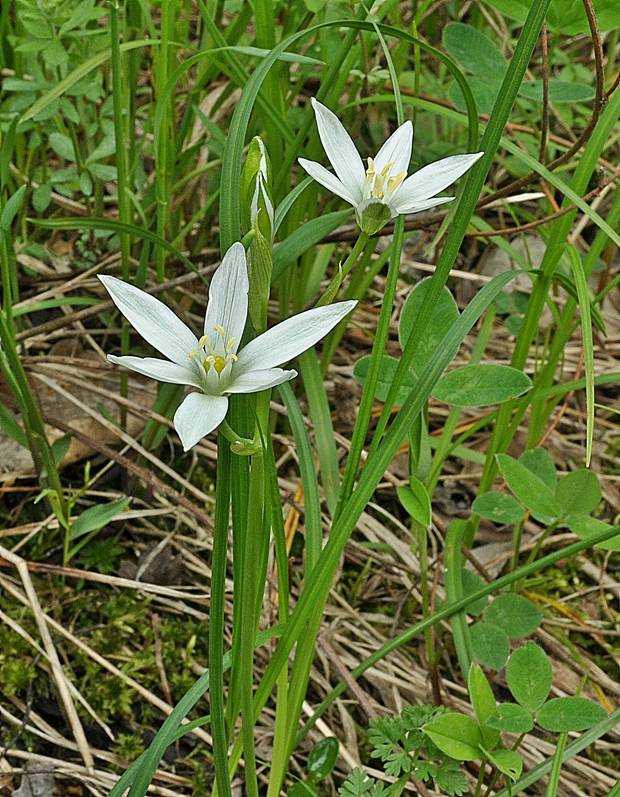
340,150
434,178
162,370
157,324
402,209
228,297
255,381
396,150
198,415
329,180
291,337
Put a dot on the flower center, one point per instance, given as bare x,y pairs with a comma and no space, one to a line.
215,356
381,185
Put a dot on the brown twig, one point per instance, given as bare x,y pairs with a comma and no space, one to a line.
509,231
599,101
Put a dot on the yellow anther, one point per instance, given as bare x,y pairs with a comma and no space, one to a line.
220,330
232,357
371,167
386,169
202,341
219,364
394,182
192,354
230,345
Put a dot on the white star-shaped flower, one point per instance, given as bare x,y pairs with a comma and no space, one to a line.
214,364
382,191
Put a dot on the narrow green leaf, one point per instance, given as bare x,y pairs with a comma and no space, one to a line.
303,238
95,517
581,283
10,426
483,703
74,77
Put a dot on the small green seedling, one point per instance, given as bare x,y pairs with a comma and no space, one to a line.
475,385
321,763
564,502
529,679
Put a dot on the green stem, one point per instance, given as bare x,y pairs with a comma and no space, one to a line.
251,590
480,780
248,603
124,206
554,777
162,177
216,618
342,271
368,395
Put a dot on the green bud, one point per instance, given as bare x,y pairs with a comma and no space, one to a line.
256,203
372,216
260,264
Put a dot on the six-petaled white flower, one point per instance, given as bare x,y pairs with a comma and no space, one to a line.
214,364
383,190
